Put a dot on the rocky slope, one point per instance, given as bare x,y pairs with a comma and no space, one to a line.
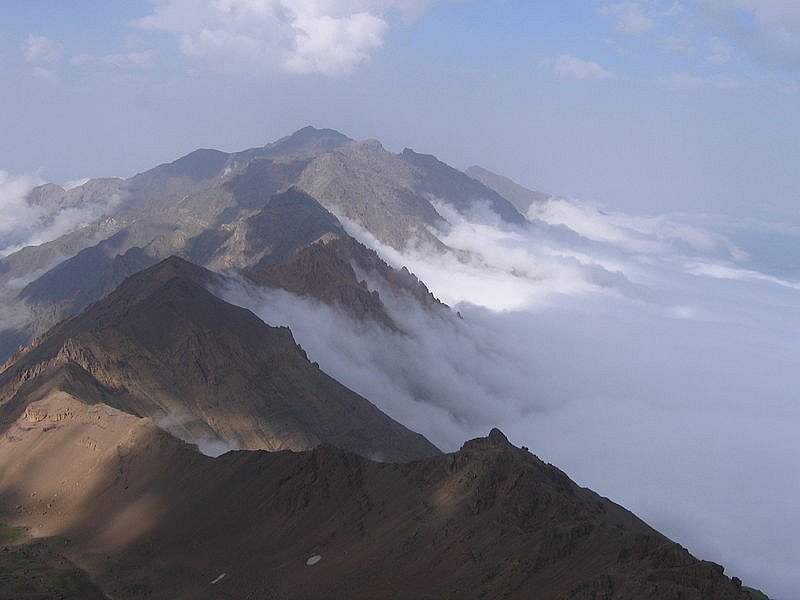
148,517
392,196
163,347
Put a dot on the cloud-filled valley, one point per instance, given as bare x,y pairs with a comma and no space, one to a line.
646,356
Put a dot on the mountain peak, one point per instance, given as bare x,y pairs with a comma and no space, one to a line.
308,141
311,131
198,165
496,440
497,437
170,268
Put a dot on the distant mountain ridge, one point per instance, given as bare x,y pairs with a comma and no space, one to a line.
243,210
521,197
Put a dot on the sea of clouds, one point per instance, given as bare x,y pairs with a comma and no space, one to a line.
654,359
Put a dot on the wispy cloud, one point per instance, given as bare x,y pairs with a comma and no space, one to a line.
45,74
719,52
630,17
126,60
38,48
689,81
572,67
677,44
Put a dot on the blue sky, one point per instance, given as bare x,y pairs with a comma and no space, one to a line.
645,106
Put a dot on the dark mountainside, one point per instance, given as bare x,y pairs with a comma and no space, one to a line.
165,348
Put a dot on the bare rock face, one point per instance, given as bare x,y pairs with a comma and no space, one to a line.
308,141
391,195
286,223
208,371
102,416
375,189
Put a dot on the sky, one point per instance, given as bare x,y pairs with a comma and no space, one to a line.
646,106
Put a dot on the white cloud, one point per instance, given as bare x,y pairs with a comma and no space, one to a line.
677,44
630,17
640,234
572,67
38,48
254,37
14,210
125,61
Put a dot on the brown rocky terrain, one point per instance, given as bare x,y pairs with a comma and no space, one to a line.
162,346
146,516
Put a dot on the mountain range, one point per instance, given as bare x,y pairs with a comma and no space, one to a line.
158,441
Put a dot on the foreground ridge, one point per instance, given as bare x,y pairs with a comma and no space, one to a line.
146,515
